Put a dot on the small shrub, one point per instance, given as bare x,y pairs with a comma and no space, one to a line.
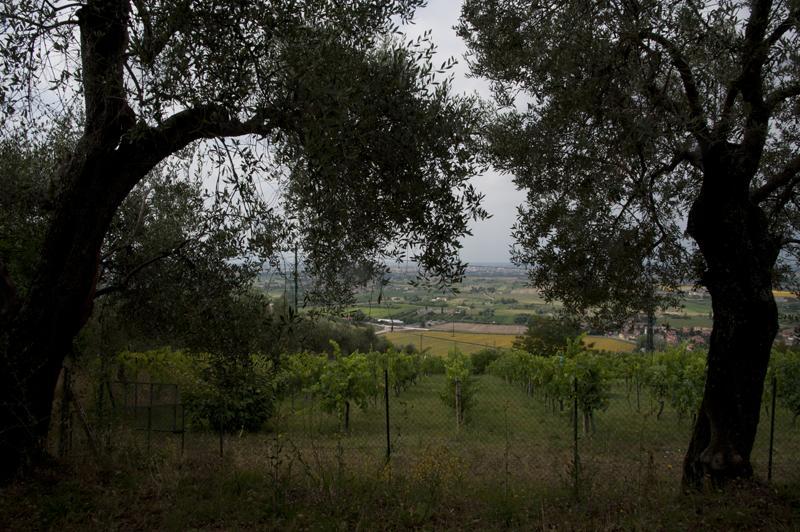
233,393
458,371
432,364
481,359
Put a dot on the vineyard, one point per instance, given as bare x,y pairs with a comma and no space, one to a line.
495,434
490,411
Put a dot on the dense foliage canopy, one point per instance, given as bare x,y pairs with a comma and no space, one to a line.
629,120
609,110
367,153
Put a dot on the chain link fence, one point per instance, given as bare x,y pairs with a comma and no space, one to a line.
476,421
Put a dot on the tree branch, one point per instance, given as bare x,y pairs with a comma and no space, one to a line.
152,43
792,19
41,26
128,276
785,197
755,51
659,99
143,150
698,123
779,95
723,126
786,177
104,37
139,222
666,168
62,7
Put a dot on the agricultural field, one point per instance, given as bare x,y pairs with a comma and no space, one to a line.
517,415
508,436
441,342
504,299
613,345
480,328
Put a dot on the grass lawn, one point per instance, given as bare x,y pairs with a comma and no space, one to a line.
506,427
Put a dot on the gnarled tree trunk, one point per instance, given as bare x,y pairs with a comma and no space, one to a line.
40,330
57,305
740,254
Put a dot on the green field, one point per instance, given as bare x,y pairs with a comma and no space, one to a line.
384,311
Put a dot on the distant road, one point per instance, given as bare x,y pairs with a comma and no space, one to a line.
480,328
383,329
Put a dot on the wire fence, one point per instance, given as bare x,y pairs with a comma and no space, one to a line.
477,425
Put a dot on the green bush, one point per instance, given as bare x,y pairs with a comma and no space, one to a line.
785,367
432,364
481,360
219,392
161,365
232,394
300,371
677,377
458,370
403,369
345,380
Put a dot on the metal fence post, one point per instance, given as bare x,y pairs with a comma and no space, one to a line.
575,458
772,427
150,417
458,404
63,427
386,399
183,428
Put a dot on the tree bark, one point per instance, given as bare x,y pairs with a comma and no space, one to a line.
740,253
59,300
58,304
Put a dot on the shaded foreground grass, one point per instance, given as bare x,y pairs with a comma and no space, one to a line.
156,492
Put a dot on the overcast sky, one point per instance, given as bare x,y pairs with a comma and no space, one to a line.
491,238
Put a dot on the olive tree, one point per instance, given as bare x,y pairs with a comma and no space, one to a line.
627,119
371,156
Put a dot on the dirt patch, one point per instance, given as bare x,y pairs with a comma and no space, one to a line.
480,328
